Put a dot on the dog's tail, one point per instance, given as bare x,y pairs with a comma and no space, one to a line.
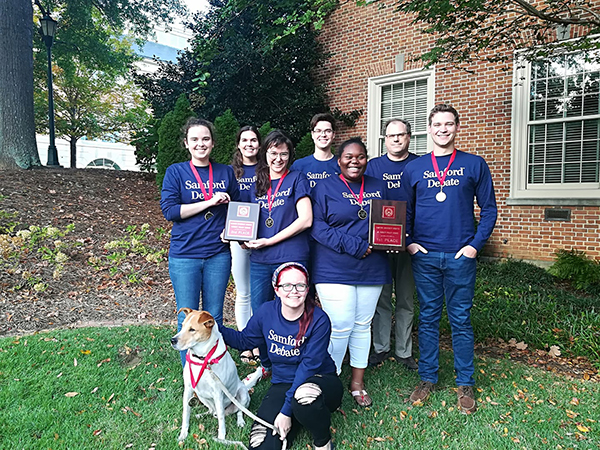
253,378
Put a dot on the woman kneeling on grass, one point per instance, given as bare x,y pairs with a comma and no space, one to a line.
305,388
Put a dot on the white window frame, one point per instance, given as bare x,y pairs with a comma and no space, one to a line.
520,191
374,103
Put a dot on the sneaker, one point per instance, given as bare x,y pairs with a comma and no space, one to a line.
422,392
408,363
466,399
377,358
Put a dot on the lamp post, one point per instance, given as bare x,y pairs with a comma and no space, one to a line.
48,28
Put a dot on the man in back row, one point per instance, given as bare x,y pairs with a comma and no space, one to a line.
322,163
389,168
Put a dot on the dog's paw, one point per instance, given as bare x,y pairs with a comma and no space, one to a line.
182,436
240,422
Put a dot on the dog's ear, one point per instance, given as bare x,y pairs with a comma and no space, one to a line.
209,323
185,310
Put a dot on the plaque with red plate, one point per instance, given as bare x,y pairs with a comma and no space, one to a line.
242,221
387,225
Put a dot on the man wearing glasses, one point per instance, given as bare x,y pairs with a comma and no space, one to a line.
389,168
322,163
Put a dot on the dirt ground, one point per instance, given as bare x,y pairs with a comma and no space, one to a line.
101,204
91,289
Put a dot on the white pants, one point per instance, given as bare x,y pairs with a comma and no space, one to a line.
240,269
350,309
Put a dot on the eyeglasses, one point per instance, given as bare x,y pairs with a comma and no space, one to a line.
397,135
287,287
282,155
327,132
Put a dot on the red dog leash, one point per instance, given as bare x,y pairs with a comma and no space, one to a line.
205,362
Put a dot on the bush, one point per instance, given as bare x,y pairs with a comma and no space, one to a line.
170,148
265,129
575,266
305,147
145,142
226,128
516,300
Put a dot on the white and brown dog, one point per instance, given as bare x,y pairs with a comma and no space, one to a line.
201,338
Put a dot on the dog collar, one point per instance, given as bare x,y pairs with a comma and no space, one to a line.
206,360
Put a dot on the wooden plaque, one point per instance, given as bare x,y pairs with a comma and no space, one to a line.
387,225
242,221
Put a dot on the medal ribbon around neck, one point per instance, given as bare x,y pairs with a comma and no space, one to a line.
359,197
442,177
210,180
271,198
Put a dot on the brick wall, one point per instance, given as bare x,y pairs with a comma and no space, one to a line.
364,41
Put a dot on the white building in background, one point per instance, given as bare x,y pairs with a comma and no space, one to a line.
114,155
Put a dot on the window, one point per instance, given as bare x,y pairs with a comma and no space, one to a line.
103,163
404,95
556,128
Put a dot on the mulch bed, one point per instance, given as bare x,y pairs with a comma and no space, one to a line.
101,204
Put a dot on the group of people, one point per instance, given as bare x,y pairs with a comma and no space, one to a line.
313,231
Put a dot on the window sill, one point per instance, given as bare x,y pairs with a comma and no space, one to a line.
512,201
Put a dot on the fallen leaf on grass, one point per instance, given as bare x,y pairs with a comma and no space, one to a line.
379,439
132,411
574,401
94,390
97,432
110,398
103,361
571,414
583,428
521,346
71,394
86,352
75,362
554,351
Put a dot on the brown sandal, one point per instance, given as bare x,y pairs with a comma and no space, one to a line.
362,398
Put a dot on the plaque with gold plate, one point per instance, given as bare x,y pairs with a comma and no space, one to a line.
242,221
387,225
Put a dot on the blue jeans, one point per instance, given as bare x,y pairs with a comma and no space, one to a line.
261,291
438,275
207,276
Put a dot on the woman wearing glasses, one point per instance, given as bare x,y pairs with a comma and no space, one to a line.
341,234
305,388
285,215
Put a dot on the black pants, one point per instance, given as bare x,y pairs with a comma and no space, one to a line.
314,416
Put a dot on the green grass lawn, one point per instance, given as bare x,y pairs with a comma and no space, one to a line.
116,388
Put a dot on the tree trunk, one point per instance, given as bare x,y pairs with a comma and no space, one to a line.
17,127
73,146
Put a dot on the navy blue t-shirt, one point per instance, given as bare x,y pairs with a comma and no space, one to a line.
316,170
341,237
449,225
291,363
390,172
294,187
196,237
246,181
